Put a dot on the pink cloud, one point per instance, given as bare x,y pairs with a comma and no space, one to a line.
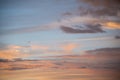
13,51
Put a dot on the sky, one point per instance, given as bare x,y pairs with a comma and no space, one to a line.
33,29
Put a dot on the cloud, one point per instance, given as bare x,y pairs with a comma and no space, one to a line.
107,58
112,25
102,7
103,12
90,29
69,47
12,52
108,8
100,58
117,37
25,30
67,14
4,60
102,55
64,48
89,23
49,26
111,54
60,49
116,50
104,3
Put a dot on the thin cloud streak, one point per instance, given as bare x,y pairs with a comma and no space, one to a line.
56,24
82,39
49,26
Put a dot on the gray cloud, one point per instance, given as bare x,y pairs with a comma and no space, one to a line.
101,7
4,60
25,30
117,37
107,49
105,52
67,14
104,3
90,29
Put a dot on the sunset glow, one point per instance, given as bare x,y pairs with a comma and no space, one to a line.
59,39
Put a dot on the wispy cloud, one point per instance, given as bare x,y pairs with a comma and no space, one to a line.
69,47
87,24
52,25
99,58
89,29
101,8
104,54
94,11
112,25
12,52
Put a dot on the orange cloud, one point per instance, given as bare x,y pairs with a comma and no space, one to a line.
13,51
112,25
69,47
56,50
39,47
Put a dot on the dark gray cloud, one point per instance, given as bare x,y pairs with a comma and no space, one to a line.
110,53
102,53
67,14
101,7
4,60
104,3
117,37
89,29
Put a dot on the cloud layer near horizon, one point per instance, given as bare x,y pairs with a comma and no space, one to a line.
107,58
